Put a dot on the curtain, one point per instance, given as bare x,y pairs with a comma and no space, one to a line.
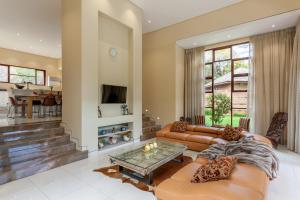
270,77
193,82
294,97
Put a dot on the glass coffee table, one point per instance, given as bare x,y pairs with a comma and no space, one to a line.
140,165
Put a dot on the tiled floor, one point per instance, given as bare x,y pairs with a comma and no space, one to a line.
78,181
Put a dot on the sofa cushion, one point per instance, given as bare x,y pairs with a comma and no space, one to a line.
231,134
199,139
214,170
205,129
179,127
177,136
172,189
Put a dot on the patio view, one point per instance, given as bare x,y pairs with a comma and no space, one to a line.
226,84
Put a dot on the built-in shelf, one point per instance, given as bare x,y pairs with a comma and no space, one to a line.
110,146
115,133
108,121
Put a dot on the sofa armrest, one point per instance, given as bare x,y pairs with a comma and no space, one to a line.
164,130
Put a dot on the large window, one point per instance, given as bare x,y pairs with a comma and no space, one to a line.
13,74
226,83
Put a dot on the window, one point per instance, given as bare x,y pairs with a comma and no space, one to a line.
3,73
226,81
14,74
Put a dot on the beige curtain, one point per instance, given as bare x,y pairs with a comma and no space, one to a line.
294,97
271,67
193,82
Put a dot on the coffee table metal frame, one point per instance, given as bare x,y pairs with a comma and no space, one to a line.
146,174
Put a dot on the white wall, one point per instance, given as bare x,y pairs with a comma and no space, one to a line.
114,70
88,94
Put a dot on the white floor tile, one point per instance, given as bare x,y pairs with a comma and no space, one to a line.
78,181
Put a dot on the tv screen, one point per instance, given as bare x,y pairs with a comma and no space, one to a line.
113,94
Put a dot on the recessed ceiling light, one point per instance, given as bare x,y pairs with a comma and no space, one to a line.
195,43
18,34
149,21
30,47
273,25
41,40
229,36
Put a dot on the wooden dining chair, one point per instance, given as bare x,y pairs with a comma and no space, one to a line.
14,105
50,103
244,123
199,120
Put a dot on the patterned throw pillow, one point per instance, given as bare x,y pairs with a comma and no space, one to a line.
232,134
215,170
179,127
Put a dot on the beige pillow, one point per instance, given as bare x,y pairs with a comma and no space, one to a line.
214,170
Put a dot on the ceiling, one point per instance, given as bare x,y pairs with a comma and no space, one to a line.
265,25
31,26
162,13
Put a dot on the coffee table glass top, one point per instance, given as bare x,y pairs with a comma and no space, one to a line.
164,152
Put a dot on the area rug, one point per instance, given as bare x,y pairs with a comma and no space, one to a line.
161,174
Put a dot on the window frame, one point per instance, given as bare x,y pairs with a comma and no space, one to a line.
35,76
233,75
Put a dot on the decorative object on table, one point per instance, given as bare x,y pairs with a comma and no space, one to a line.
20,87
99,112
150,146
147,148
51,88
124,108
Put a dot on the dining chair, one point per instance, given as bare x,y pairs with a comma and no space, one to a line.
244,123
199,120
13,107
50,103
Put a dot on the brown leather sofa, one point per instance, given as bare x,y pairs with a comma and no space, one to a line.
198,138
247,182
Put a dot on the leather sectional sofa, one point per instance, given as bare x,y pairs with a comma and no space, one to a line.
247,182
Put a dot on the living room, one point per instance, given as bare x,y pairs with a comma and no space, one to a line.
161,100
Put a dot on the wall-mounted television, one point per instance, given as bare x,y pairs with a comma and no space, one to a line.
113,94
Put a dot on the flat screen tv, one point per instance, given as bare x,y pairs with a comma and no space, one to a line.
113,94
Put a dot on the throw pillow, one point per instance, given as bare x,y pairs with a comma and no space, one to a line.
215,170
232,134
179,127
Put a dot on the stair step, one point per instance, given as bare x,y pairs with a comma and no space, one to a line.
29,134
30,154
22,145
30,126
41,165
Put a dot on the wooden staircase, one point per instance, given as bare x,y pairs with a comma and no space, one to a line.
28,149
149,128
